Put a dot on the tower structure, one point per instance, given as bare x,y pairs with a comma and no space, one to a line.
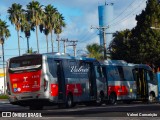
105,13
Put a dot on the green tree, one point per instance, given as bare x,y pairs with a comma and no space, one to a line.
26,27
95,51
50,13
4,31
49,21
4,34
147,41
120,47
16,16
143,43
35,15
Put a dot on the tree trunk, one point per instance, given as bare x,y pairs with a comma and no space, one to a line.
52,41
47,42
58,43
37,39
4,69
18,43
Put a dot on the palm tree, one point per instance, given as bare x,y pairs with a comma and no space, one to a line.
16,16
45,30
50,20
35,13
4,33
58,26
26,28
95,51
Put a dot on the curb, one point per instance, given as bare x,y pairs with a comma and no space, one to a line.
4,101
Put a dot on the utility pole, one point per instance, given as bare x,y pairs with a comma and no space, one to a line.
74,45
58,44
103,29
64,43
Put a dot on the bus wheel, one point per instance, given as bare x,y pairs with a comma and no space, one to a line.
100,100
112,98
69,101
151,98
33,107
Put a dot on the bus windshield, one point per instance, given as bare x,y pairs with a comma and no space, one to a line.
25,63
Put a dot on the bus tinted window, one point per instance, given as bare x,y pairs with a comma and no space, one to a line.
99,72
25,61
112,73
29,62
120,70
149,75
52,65
128,75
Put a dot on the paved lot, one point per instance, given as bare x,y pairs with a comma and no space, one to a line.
119,111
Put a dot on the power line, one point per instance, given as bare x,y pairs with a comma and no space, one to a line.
73,44
103,29
122,11
126,15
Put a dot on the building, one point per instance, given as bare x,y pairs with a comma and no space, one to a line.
105,13
1,81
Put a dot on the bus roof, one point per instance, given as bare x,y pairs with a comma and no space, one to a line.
67,56
56,55
116,62
147,67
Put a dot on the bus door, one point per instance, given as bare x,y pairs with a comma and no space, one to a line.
61,81
142,85
104,70
92,82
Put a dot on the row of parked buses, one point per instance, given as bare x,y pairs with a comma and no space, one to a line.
37,80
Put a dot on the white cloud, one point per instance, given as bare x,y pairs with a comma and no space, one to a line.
78,26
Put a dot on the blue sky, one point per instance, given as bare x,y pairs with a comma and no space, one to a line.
79,16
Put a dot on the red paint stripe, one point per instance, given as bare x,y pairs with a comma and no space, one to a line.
75,89
119,90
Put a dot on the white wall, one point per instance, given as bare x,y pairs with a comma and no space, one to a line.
1,85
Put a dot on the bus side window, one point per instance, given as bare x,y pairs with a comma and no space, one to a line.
99,73
104,71
149,76
128,73
135,74
121,73
112,74
52,67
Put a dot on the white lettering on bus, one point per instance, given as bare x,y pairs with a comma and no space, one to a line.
80,69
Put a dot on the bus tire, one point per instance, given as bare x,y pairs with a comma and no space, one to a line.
112,98
69,101
35,107
100,100
151,98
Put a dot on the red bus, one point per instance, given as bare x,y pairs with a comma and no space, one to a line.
37,80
